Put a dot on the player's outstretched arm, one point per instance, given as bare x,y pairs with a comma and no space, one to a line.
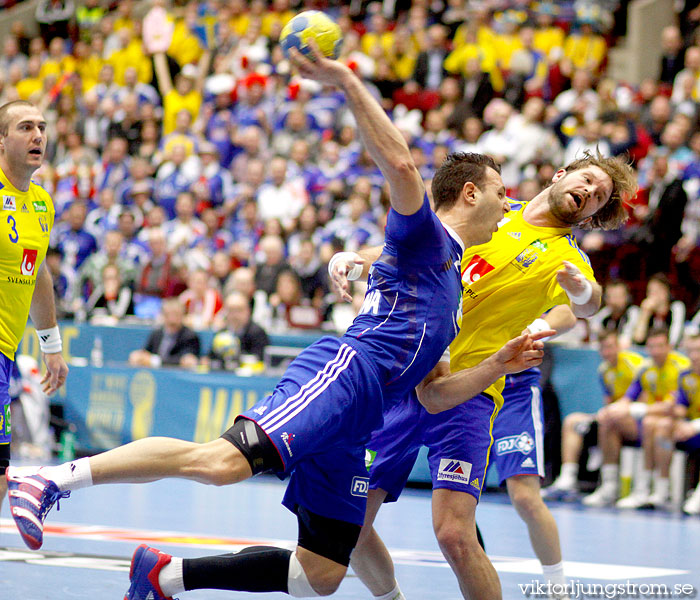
383,140
447,391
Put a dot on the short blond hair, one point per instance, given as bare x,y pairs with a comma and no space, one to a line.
613,213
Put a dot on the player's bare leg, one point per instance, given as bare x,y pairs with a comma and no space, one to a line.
524,492
370,559
455,528
215,463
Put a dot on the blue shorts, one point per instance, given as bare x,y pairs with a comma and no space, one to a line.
458,442
319,417
6,369
519,428
691,444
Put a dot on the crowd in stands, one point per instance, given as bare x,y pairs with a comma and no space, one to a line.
178,168
205,186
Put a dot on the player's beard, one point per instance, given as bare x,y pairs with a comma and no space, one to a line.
559,205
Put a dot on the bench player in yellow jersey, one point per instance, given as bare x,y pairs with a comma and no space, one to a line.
617,372
647,403
25,284
685,429
532,264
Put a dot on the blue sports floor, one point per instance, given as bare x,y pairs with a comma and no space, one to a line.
87,550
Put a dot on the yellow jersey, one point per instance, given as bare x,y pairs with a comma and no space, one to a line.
616,378
25,226
173,103
689,393
659,383
508,283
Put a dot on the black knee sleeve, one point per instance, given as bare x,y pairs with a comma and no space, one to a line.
330,538
4,458
255,445
253,569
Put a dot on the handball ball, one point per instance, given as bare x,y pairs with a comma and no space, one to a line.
311,24
225,345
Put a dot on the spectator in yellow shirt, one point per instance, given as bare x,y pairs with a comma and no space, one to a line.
585,48
378,35
131,54
58,61
276,18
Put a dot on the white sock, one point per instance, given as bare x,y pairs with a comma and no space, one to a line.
609,475
170,578
661,485
554,574
72,475
642,483
568,475
395,594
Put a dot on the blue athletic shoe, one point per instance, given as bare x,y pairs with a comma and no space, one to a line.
31,498
145,567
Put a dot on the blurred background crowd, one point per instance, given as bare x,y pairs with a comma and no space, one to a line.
209,173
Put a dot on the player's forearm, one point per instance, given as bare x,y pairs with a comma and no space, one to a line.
381,138
369,255
561,318
162,73
446,392
42,309
591,307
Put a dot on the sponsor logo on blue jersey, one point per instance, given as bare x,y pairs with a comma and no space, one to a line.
360,486
515,443
454,470
288,438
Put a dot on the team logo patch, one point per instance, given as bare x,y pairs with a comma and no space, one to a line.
287,439
476,269
28,262
370,455
8,203
454,470
39,206
525,259
515,443
360,486
528,463
6,424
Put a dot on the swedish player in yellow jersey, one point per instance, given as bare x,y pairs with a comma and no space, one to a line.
634,417
686,428
617,372
532,264
683,426
25,284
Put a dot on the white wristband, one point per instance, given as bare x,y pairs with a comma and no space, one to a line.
349,257
695,424
638,410
50,340
584,296
538,325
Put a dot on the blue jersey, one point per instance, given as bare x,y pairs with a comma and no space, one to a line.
413,304
334,394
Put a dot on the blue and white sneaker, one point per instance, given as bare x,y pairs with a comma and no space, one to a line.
31,498
145,568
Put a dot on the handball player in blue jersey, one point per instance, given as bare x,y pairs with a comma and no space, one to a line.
314,426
